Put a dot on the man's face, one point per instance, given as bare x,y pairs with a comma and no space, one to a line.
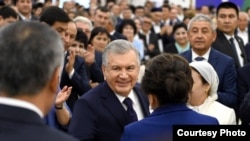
121,72
7,21
101,18
84,27
61,28
201,36
243,21
227,20
24,6
70,34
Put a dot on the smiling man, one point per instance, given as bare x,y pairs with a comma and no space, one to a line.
101,113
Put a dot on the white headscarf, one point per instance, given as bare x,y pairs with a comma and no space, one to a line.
209,74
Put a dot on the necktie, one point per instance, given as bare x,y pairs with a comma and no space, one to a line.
130,111
171,22
234,49
199,58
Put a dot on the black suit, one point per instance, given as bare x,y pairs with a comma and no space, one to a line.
222,44
171,48
20,124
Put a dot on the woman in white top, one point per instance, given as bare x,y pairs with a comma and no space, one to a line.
204,94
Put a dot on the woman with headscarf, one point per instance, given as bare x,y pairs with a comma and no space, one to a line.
204,94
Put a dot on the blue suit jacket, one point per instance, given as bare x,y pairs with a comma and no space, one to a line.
79,80
243,85
225,68
99,116
158,126
20,124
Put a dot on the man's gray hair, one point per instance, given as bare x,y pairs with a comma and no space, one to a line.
30,53
201,17
83,20
118,46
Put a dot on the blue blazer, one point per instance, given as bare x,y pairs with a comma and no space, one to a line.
243,85
225,68
79,80
158,126
99,116
20,124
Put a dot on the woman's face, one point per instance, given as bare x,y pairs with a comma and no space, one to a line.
100,41
128,31
199,90
180,36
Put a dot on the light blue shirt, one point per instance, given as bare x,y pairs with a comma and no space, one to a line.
180,49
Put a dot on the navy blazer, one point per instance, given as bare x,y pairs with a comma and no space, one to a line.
19,124
99,116
243,85
225,68
159,125
117,35
222,44
79,81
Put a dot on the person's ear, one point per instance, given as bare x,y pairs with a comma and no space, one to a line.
54,81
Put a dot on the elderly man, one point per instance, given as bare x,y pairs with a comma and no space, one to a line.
201,34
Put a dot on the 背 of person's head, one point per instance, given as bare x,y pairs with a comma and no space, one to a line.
121,65
201,33
167,80
58,19
31,57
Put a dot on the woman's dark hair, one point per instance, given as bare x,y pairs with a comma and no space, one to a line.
98,30
125,23
82,37
168,77
179,25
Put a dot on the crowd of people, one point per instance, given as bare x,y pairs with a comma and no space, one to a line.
120,72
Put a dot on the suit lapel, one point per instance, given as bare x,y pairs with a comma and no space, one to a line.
212,58
143,101
112,103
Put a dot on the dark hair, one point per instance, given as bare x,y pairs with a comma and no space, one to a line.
35,50
179,25
98,30
53,14
102,9
125,23
81,37
7,12
37,5
168,77
228,5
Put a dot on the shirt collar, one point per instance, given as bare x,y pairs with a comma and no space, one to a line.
131,95
205,56
22,104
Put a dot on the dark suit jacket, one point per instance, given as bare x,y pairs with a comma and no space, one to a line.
222,44
19,124
243,84
79,80
224,66
152,40
117,35
99,116
247,51
159,125
95,70
171,48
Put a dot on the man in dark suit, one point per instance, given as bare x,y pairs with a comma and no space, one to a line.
200,42
27,92
24,8
111,25
100,114
7,15
227,42
74,72
243,85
